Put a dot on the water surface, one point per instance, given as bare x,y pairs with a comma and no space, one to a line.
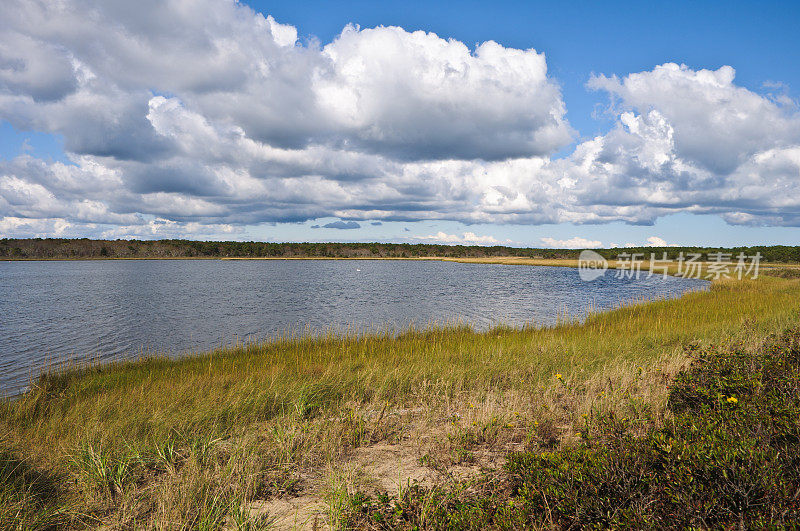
101,310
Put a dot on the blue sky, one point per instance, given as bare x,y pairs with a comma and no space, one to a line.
579,40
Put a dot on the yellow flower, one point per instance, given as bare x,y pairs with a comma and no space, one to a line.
732,400
559,376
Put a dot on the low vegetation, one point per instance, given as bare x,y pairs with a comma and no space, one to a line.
504,428
728,456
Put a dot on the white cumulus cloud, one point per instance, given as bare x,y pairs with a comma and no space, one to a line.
573,243
467,238
655,241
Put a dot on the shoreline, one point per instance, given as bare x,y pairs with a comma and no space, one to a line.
348,333
307,334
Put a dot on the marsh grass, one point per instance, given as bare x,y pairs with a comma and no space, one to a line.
190,443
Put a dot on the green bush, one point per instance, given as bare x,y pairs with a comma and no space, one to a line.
728,457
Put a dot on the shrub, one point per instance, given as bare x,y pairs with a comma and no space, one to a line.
729,456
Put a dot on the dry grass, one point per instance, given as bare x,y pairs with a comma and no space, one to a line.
204,442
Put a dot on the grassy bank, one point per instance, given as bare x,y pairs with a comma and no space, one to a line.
727,457
297,428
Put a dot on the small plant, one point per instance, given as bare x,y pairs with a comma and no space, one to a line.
166,455
103,471
431,461
244,521
200,448
306,405
213,512
462,455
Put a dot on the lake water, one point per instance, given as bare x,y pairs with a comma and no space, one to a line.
101,310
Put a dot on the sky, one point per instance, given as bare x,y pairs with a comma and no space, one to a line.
544,124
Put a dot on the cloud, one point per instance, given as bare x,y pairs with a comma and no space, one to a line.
713,124
467,238
655,241
345,225
573,243
155,228
693,141
165,228
218,116
15,227
652,241
688,141
417,96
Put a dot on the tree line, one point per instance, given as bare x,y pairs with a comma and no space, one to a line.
84,248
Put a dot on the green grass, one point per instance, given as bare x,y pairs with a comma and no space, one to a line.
189,443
